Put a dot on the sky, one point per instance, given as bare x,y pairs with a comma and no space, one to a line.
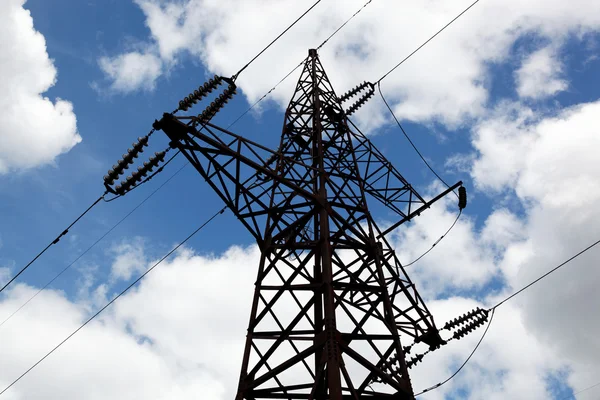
506,100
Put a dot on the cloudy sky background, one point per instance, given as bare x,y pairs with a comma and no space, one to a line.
507,100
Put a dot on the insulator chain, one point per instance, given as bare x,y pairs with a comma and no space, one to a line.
393,360
217,104
137,176
201,92
362,100
465,318
387,364
462,197
415,360
462,332
127,159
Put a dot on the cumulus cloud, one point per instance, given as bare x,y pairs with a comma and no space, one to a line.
540,75
506,131
130,258
461,261
446,81
555,181
510,363
182,331
132,71
35,129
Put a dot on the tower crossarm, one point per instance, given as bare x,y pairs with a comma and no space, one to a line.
245,174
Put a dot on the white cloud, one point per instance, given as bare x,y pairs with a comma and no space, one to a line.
129,259
103,361
555,180
510,363
35,129
181,332
446,81
4,275
460,261
502,142
540,75
132,71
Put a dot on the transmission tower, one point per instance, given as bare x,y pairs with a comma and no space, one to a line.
334,313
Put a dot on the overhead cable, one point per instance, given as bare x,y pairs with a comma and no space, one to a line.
427,41
493,310
91,247
114,299
546,274
137,178
299,65
581,391
274,40
463,364
371,85
436,242
409,140
55,241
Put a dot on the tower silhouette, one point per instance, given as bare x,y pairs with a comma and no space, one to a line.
333,311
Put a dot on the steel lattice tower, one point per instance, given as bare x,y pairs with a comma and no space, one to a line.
331,299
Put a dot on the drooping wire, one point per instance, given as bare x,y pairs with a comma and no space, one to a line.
546,274
152,131
344,24
299,65
366,97
92,245
427,41
234,122
265,95
581,391
409,140
114,299
463,364
493,310
208,113
436,242
274,40
55,241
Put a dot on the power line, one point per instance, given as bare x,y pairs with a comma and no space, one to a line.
427,41
581,391
408,138
55,241
175,155
93,245
546,274
114,299
274,40
265,95
116,197
493,309
344,24
437,241
463,364
299,65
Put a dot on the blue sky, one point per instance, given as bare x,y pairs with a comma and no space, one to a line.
492,103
